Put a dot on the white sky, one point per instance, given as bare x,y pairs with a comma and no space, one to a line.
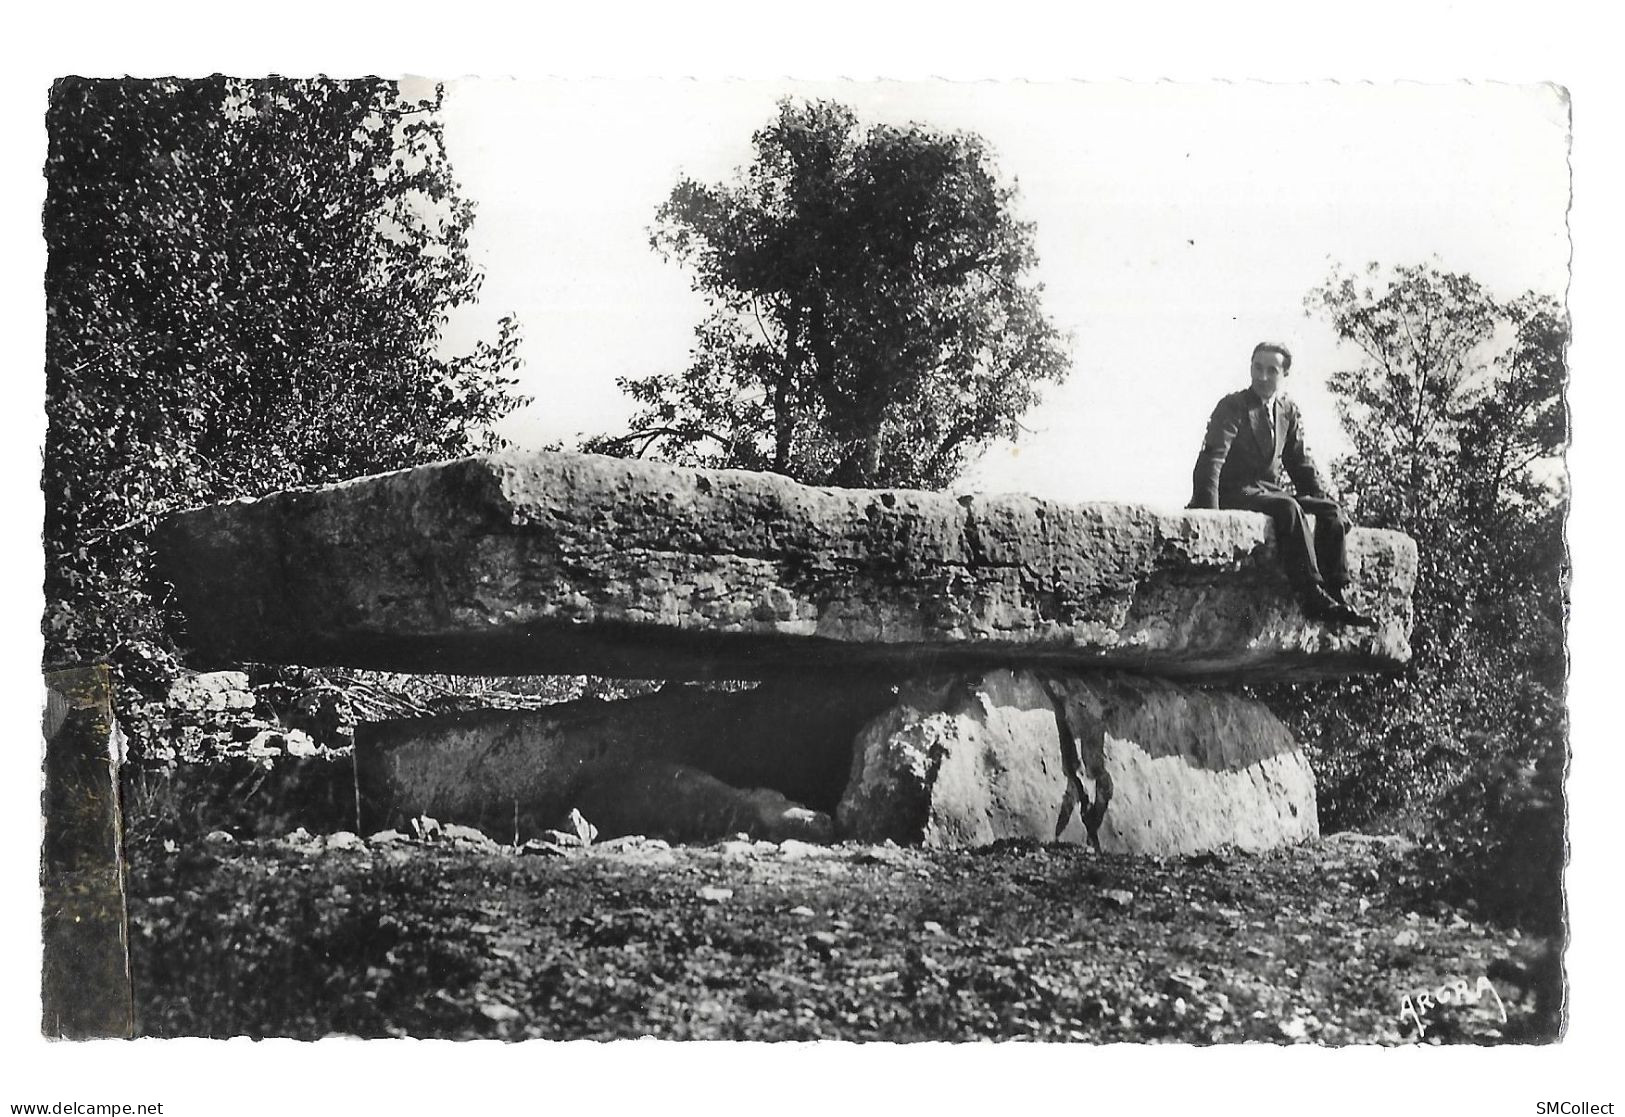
1177,224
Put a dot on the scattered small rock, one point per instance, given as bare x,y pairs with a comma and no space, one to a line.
633,842
212,691
218,838
537,848
575,823
562,838
1184,984
932,927
501,1013
1120,898
344,839
386,837
1395,843
296,743
302,841
734,848
467,835
625,841
265,746
712,894
886,854
802,911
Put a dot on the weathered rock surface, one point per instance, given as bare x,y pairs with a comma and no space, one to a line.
1134,764
674,764
538,562
211,717
678,803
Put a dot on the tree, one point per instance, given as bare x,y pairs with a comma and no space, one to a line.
1456,416
245,286
873,321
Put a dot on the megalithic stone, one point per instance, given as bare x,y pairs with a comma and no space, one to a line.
516,772
1127,763
86,988
522,563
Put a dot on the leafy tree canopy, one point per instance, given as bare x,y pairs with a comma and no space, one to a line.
873,320
246,284
1455,410
1456,414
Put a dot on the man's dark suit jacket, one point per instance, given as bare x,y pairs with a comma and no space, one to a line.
1238,457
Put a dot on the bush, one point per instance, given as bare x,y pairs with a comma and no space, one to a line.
245,287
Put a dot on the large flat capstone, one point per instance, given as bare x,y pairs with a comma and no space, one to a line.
534,562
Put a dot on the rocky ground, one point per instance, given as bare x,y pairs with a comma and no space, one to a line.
244,923
451,935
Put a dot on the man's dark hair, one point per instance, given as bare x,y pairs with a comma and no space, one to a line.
1275,347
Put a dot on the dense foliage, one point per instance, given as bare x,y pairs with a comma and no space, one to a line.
246,285
1455,410
872,319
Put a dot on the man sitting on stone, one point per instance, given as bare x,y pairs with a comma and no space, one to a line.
1252,436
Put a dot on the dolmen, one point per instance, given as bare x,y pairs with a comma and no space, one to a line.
841,664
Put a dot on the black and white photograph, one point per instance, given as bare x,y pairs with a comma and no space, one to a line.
883,567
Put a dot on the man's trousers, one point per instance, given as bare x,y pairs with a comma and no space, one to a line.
1319,563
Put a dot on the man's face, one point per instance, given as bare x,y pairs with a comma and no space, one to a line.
1269,369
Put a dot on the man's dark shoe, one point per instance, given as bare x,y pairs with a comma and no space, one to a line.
1318,605
1355,619
1350,615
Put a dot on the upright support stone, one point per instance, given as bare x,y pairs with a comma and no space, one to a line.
86,987
683,762
1132,764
